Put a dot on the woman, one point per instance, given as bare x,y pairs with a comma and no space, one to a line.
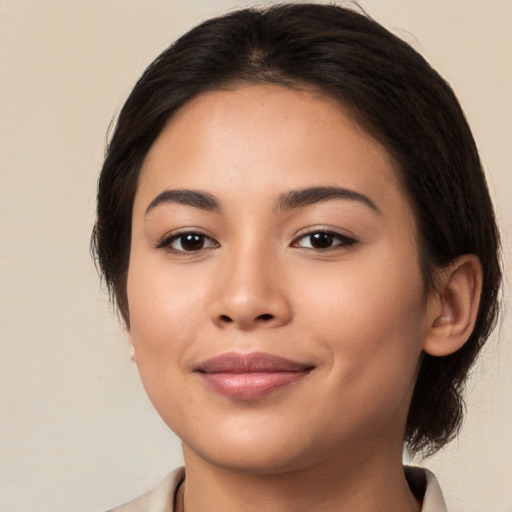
294,222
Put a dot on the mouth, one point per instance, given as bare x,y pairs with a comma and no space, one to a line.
250,376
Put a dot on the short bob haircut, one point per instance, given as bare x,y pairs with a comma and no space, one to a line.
392,92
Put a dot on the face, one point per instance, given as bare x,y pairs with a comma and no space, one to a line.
276,302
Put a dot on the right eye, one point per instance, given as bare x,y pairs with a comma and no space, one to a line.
188,242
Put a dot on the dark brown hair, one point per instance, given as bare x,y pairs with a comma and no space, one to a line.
393,93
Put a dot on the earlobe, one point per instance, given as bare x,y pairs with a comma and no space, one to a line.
131,348
457,299
132,353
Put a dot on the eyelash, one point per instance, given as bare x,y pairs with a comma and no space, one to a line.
343,240
330,237
167,242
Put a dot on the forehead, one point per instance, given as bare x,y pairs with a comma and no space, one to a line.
258,139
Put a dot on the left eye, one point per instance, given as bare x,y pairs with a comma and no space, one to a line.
189,242
323,240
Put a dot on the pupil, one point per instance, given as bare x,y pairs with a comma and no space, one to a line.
192,242
321,240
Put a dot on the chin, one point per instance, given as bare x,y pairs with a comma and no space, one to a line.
256,460
264,448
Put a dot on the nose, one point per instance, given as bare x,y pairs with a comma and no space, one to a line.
251,295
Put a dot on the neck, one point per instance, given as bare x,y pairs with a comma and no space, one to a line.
371,485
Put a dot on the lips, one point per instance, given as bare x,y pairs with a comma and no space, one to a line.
250,376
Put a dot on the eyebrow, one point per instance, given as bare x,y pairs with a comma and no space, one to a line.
290,200
201,200
309,196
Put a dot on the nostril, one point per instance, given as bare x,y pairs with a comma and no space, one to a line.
264,318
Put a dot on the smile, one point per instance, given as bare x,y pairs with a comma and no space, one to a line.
250,376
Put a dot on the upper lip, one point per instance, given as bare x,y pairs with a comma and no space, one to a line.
253,362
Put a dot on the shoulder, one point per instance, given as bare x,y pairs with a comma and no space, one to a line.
158,499
425,487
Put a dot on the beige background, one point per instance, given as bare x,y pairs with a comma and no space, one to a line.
76,430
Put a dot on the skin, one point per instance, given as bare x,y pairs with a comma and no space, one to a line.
356,311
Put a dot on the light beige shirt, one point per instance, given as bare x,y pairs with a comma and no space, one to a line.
161,498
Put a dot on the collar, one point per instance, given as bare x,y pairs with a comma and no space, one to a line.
161,498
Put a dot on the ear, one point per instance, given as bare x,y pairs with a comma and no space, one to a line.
454,306
132,353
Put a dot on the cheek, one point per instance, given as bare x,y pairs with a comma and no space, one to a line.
371,317
166,313
371,331
166,309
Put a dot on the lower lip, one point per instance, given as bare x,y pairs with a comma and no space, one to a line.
251,386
